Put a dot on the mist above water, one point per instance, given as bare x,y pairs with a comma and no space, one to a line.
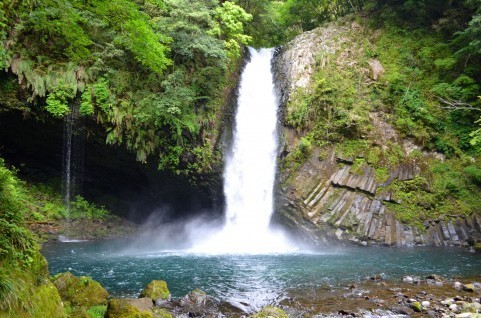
250,168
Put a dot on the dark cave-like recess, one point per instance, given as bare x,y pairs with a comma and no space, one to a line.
110,176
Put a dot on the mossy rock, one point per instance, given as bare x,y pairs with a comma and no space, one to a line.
46,302
156,289
97,311
469,288
161,313
416,306
477,246
80,291
270,311
123,308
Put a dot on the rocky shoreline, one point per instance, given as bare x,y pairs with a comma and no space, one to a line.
411,296
108,227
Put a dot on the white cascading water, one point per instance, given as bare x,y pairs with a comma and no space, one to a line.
251,167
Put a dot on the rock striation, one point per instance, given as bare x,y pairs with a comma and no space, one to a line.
334,198
351,206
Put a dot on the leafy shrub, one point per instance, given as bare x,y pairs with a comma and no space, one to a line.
474,173
81,208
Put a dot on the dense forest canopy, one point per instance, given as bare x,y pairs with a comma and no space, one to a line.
154,73
151,72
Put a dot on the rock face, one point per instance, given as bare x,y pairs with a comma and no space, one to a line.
351,206
334,198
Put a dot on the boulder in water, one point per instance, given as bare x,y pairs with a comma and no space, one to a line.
156,290
196,297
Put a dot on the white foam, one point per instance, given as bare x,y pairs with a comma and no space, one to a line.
250,169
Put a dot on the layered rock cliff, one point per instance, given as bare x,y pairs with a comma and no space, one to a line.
335,193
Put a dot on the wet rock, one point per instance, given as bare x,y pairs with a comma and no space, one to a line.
197,304
416,306
130,308
447,302
458,285
195,297
471,307
454,308
408,279
156,290
425,304
435,277
270,312
403,311
469,288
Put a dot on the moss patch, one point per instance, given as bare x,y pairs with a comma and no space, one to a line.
80,291
270,312
121,308
156,289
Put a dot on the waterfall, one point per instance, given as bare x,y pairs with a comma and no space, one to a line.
73,157
250,167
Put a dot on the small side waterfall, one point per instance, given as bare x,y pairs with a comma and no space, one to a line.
73,152
251,167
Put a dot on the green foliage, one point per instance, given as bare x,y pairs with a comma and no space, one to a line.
296,16
9,291
230,27
97,311
446,188
24,291
57,104
358,166
152,73
16,242
81,208
86,107
331,107
474,173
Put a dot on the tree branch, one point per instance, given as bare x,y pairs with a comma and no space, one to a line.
456,104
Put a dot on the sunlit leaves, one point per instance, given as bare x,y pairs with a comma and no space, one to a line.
230,26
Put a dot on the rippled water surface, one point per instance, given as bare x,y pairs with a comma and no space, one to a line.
254,279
